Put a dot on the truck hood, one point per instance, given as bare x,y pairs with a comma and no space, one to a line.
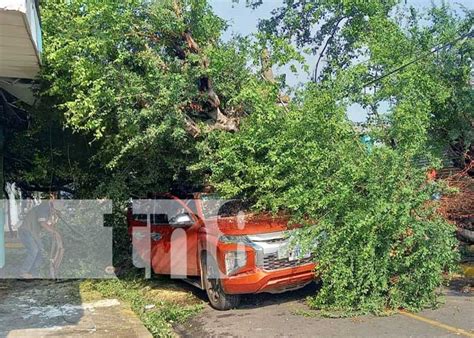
249,224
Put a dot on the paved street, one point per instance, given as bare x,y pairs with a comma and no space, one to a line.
287,315
46,308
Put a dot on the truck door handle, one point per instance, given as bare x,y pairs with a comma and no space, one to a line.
155,236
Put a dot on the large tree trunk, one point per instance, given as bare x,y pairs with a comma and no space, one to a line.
211,112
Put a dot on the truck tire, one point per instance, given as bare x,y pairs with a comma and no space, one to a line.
212,283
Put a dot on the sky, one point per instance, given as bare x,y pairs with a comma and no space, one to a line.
243,20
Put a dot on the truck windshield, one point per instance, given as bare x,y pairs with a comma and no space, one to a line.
213,206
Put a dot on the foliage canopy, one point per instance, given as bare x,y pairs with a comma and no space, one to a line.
368,214
151,91
142,82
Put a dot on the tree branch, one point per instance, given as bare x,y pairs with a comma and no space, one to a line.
329,39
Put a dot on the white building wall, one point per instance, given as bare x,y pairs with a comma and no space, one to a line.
20,39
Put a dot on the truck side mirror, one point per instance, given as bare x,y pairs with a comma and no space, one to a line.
181,221
125,211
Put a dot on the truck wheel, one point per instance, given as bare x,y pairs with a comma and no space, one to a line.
212,283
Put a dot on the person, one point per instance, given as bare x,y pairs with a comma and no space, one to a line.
431,175
30,235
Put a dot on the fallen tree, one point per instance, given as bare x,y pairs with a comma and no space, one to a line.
154,92
142,82
369,213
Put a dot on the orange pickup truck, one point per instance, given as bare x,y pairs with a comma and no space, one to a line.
217,246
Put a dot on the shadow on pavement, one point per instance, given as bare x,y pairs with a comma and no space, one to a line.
253,301
461,287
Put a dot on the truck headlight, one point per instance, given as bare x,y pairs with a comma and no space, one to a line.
242,239
234,260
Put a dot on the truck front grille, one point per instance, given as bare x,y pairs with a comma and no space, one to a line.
271,262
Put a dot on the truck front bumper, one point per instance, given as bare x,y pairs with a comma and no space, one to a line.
273,281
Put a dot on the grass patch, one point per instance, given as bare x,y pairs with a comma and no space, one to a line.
158,303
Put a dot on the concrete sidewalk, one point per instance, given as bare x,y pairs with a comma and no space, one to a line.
284,315
47,308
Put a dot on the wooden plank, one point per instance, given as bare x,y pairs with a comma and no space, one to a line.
20,72
13,41
33,63
25,50
13,30
11,18
19,57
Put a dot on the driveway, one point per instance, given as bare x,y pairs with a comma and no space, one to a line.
287,315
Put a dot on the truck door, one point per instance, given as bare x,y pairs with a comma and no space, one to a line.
174,229
169,245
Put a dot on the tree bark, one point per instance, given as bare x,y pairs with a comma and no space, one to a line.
216,119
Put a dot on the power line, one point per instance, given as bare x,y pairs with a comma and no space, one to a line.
433,50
